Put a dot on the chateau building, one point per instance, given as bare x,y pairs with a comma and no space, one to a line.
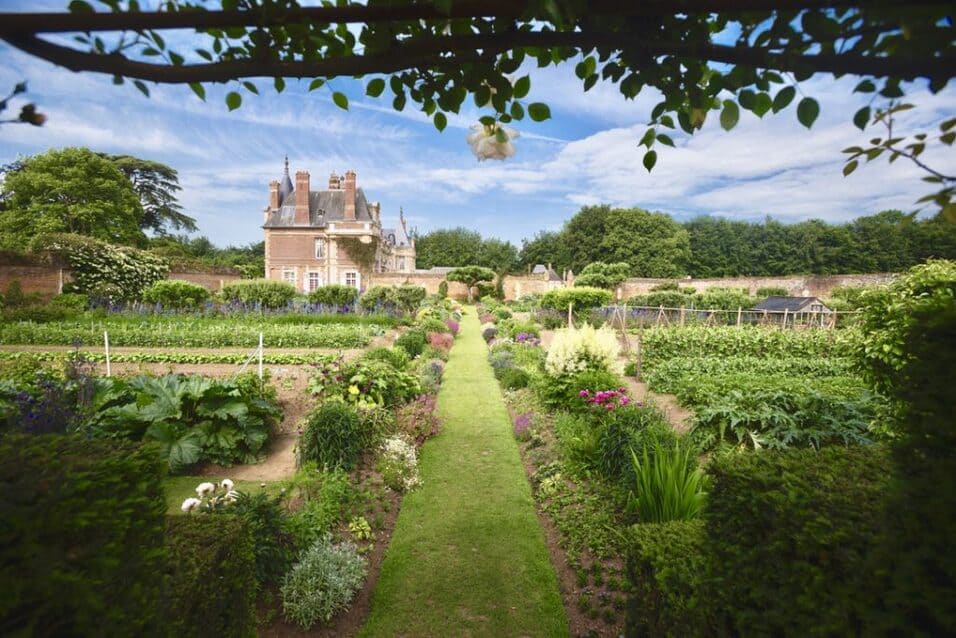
314,238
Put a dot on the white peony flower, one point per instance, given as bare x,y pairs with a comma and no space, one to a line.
204,489
190,504
227,485
492,141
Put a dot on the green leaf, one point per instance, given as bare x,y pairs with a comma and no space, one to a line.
487,120
139,84
539,111
783,98
862,117
199,90
665,139
252,88
79,6
850,167
762,104
233,100
440,121
807,111
729,115
517,111
279,84
316,84
746,99
375,87
522,86
650,158
648,138
340,100
866,86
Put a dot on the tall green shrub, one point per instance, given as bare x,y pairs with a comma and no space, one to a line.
81,537
909,354
265,292
176,294
788,539
333,295
210,578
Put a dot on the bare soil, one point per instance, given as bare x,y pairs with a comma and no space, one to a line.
678,416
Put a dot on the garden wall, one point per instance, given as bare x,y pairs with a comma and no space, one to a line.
796,285
49,280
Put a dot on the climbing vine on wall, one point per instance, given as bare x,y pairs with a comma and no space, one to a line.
360,253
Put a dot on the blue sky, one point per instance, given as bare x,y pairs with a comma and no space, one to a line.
586,154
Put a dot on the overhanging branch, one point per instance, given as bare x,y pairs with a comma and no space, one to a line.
19,24
430,51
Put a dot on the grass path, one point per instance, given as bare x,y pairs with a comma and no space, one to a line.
468,556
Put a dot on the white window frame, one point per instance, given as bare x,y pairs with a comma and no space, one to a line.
294,276
319,246
309,277
358,279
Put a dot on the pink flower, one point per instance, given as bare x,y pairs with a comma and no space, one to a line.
584,393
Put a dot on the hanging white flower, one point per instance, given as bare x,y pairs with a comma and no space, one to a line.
492,141
204,489
227,485
190,504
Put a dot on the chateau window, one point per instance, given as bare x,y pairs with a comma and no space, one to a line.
319,248
401,264
288,276
351,279
315,280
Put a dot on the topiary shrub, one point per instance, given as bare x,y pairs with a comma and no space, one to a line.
443,289
408,297
332,437
377,298
580,298
334,295
665,562
176,294
412,342
432,324
261,292
322,583
602,275
210,578
788,537
81,538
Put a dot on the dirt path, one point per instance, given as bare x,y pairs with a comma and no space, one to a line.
678,416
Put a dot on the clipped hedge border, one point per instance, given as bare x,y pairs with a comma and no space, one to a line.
81,537
210,578
664,564
788,539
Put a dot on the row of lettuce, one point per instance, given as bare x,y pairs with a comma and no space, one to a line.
91,499
812,494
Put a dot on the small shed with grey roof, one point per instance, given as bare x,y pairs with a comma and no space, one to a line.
792,305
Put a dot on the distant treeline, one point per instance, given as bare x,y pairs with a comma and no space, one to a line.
655,245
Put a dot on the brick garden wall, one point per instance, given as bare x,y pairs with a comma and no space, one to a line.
47,280
795,285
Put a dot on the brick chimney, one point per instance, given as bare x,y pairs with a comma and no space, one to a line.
273,195
335,182
350,195
302,198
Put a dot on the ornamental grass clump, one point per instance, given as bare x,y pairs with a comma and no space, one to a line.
323,582
668,485
584,349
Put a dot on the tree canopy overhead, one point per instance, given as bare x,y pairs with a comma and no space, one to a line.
700,56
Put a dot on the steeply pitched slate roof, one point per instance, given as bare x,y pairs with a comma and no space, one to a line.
324,206
401,237
779,304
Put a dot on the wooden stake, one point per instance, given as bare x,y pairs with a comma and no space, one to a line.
106,345
740,312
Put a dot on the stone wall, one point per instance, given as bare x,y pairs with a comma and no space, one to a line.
49,280
429,281
795,285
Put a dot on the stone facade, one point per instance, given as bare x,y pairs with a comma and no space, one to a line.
306,231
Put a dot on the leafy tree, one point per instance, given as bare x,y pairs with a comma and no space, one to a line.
652,243
601,275
471,276
72,190
582,236
500,256
156,184
447,247
544,248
